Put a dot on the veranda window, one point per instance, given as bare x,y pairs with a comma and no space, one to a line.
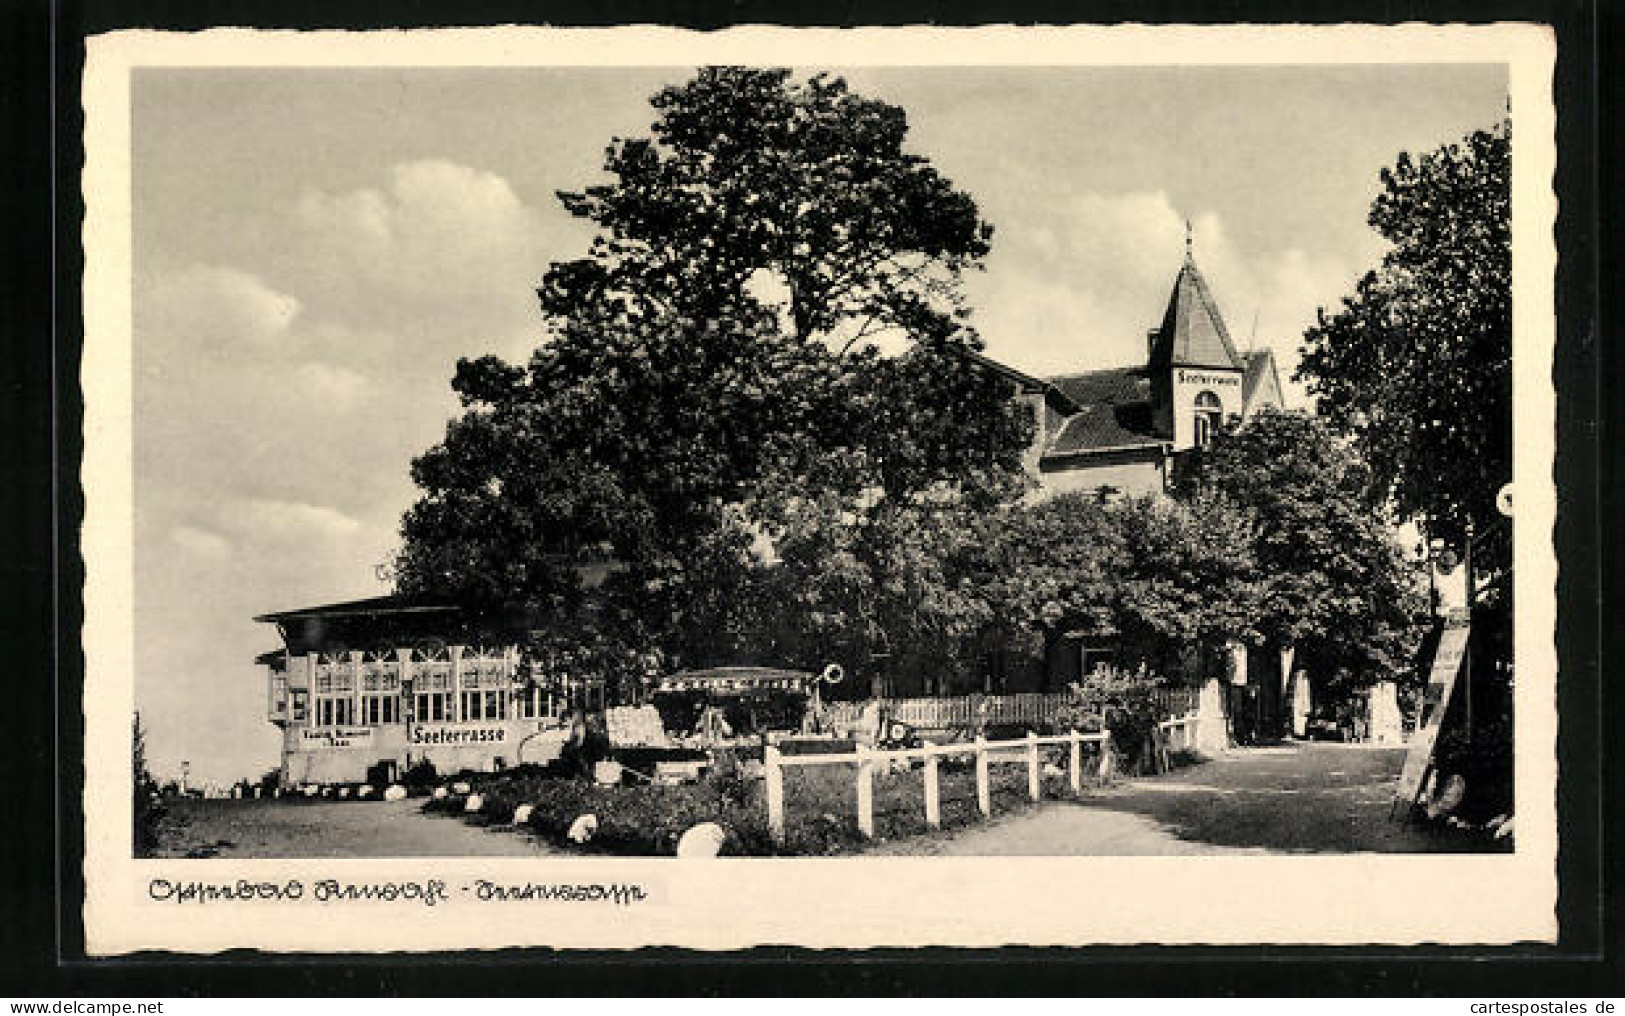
432,706
536,703
335,699
380,695
486,704
334,712
380,709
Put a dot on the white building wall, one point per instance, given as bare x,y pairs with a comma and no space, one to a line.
1188,383
343,754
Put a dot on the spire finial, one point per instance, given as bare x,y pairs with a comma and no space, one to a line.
1188,255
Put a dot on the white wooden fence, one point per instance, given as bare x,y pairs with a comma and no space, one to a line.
1179,732
774,763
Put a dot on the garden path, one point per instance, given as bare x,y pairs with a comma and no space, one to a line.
1292,798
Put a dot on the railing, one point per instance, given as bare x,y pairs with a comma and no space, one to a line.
774,763
966,712
1179,732
1178,701
950,712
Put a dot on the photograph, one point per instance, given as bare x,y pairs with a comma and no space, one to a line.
794,452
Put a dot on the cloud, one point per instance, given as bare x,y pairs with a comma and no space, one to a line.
201,542
330,383
433,229
271,518
211,307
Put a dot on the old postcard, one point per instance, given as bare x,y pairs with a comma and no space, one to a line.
620,487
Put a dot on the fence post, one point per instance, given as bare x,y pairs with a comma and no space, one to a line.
1105,755
1034,786
866,793
984,801
775,793
1074,767
933,802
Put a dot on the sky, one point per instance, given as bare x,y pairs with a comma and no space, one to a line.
315,248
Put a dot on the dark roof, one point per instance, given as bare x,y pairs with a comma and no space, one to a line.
1115,412
1101,427
1260,364
374,606
1193,332
1027,383
1114,386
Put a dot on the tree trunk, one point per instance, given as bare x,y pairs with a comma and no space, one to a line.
1283,697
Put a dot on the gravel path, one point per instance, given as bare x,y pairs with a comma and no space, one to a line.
1296,798
298,828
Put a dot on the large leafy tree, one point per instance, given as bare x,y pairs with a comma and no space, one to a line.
1417,364
1332,579
750,174
910,611
711,366
1050,568
1166,577
1192,579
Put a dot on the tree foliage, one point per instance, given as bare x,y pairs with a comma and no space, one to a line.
1164,577
1192,581
749,172
1332,579
711,371
1417,364
887,594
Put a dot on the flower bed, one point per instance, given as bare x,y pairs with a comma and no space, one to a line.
820,808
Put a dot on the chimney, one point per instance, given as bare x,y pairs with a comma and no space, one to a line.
1151,342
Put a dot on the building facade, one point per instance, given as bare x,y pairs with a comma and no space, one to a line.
360,692
1119,430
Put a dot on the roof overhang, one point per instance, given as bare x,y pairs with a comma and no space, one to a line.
379,606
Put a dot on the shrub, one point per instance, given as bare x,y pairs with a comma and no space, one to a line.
1128,702
420,776
643,819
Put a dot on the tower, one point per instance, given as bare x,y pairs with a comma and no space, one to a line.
1195,373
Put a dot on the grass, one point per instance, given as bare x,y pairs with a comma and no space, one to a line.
820,807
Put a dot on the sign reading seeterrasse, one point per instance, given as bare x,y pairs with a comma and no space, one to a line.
454,734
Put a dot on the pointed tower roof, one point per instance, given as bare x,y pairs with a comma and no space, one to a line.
1192,333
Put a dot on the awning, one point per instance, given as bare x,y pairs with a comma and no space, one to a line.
735,680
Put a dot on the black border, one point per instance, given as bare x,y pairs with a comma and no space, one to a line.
40,934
